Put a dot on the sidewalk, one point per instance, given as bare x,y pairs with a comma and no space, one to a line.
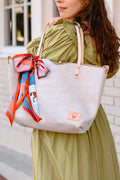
14,165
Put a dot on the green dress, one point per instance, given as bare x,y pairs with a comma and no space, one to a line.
88,156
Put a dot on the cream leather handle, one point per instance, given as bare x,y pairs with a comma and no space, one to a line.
80,38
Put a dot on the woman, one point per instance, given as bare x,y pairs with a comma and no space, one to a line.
92,155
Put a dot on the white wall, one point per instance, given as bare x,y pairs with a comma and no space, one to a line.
42,11
111,104
109,6
116,15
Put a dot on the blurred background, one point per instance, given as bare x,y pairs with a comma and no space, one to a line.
21,21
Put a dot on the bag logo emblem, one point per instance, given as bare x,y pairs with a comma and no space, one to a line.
75,116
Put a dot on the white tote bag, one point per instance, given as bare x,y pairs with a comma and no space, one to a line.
68,97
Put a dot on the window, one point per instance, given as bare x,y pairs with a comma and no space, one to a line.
17,22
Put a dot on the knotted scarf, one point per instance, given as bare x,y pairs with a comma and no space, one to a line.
26,91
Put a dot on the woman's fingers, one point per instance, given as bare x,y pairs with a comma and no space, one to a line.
54,20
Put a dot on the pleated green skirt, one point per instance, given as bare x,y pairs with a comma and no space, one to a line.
88,156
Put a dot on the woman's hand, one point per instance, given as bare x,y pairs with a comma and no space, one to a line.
54,20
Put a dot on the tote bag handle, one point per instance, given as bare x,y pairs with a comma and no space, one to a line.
80,39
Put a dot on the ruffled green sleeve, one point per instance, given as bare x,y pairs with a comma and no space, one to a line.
60,44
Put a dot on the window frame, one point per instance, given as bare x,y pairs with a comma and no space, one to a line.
38,9
6,50
24,5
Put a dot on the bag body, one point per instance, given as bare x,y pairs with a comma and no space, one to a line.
67,103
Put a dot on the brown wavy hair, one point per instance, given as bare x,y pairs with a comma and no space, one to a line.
100,27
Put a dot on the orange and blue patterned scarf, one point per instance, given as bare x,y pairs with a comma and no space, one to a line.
26,91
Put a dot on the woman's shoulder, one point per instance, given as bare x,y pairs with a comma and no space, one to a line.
61,29
65,30
60,41
62,24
